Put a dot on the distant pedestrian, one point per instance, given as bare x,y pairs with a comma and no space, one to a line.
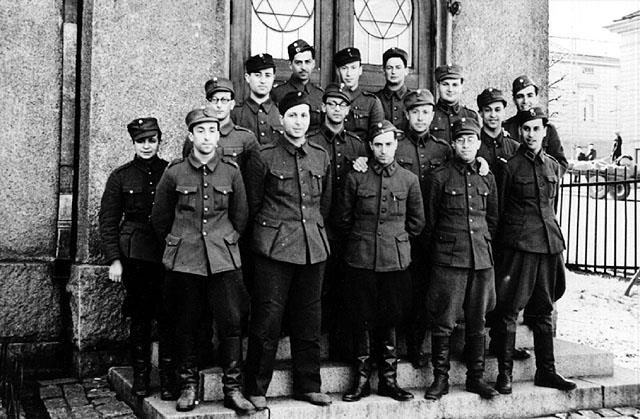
617,147
591,154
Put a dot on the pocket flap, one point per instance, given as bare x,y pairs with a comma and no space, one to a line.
232,238
405,160
186,189
403,237
399,195
483,190
444,237
522,180
232,151
435,162
131,189
454,190
552,178
281,174
172,240
266,222
366,193
317,173
223,189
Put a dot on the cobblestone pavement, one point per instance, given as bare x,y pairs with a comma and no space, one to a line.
90,398
616,412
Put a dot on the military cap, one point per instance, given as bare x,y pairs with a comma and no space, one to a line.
292,99
199,115
466,126
417,98
346,56
395,52
522,82
259,62
490,95
533,113
338,90
218,84
450,71
143,128
382,128
300,46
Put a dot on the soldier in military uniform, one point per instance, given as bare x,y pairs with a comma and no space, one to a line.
366,110
343,148
526,96
378,213
134,254
394,65
235,141
200,212
496,144
449,81
289,192
462,217
302,62
259,113
531,274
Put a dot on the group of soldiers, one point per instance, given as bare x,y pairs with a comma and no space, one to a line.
343,211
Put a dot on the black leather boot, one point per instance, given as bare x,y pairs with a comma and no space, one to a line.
139,335
231,351
474,347
387,367
188,377
504,345
415,353
361,387
167,378
440,346
546,375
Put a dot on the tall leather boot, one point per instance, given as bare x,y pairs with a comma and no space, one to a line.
231,349
140,337
416,355
387,367
474,346
361,387
167,378
188,380
546,375
440,347
505,346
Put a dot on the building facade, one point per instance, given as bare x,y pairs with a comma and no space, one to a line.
75,72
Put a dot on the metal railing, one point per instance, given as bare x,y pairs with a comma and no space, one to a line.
598,215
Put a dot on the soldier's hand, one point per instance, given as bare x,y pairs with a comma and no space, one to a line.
360,164
115,271
484,166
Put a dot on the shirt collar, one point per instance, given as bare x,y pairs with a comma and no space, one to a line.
197,164
464,167
417,138
387,170
330,135
291,149
399,94
447,108
255,106
298,84
146,165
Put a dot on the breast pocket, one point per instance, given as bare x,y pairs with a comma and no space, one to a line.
399,202
186,197
525,187
221,194
552,185
133,200
361,120
483,195
282,182
406,162
454,198
232,152
317,181
433,163
367,201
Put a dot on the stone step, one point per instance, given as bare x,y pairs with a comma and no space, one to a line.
524,338
572,360
527,401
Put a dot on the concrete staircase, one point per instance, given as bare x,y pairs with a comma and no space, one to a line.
598,386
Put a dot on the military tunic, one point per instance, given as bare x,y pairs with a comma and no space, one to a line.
421,154
531,275
393,105
444,117
551,143
497,150
462,217
289,190
315,97
365,113
261,119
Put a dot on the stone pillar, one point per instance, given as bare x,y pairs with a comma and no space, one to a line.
139,58
30,82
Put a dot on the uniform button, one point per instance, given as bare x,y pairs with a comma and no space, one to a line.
395,117
262,133
471,231
131,191
339,154
206,184
379,233
303,207
422,165
384,198
304,221
206,209
262,122
469,184
395,108
185,192
338,166
264,223
204,220
337,177
235,154
153,192
470,207
259,110
204,233
453,192
470,220
304,194
150,183
302,182
206,197
281,177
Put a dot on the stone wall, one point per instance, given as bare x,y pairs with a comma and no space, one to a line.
30,82
497,42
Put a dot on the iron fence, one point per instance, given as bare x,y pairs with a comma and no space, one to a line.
598,214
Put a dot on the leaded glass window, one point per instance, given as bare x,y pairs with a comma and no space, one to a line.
277,23
380,25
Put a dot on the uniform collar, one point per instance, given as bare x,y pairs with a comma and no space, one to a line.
489,140
291,149
416,138
255,106
146,165
355,93
462,166
330,135
387,170
399,94
227,127
448,109
298,85
529,155
197,164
